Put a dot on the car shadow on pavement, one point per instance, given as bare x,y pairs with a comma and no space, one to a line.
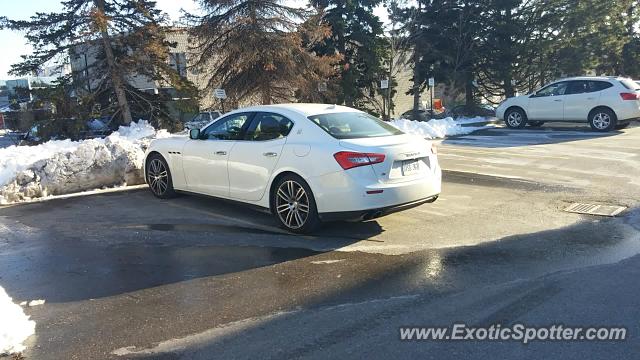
548,134
502,282
104,245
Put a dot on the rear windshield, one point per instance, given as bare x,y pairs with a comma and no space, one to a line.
630,84
353,125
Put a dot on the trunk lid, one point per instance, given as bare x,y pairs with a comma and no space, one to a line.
407,157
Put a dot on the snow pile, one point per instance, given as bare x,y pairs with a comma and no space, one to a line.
14,159
15,326
63,167
440,128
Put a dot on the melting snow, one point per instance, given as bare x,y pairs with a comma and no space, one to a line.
15,326
440,128
63,166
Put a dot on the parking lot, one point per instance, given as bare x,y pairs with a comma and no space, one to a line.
126,275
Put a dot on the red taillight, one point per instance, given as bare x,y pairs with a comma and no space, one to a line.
630,96
348,159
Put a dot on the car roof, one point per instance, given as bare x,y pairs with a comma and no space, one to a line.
302,108
600,78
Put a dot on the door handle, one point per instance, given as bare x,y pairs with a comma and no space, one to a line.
221,153
558,100
591,98
270,154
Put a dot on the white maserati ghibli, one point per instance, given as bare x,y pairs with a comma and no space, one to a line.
304,163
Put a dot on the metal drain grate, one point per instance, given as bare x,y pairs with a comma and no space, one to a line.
594,209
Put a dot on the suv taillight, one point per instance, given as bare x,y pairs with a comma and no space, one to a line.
630,96
348,159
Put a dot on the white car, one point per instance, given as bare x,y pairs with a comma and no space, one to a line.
606,103
304,163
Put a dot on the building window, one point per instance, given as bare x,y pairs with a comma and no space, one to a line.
178,62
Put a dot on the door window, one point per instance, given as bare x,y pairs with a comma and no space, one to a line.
268,126
553,90
231,127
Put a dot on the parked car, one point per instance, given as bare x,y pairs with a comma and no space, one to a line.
483,110
304,163
202,119
606,103
423,115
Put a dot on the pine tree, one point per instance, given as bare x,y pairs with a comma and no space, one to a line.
126,37
515,45
256,50
593,36
357,35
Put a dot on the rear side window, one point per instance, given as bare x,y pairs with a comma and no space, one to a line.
630,84
577,87
353,125
599,85
268,126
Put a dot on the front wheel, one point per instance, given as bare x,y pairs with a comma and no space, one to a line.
603,120
159,177
515,118
294,205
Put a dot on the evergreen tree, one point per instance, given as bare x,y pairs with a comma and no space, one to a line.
594,36
126,38
256,50
444,34
515,47
358,36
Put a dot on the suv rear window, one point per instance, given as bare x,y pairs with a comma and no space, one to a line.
353,125
630,84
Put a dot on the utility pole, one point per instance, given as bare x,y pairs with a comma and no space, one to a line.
391,59
416,60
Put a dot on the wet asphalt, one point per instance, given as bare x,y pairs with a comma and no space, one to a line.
126,275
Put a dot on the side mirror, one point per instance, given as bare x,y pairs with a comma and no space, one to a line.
194,134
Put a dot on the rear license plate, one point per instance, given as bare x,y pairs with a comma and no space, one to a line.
410,167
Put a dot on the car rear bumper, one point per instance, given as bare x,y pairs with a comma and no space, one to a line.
352,192
373,213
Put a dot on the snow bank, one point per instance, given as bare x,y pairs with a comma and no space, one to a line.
63,167
15,326
440,128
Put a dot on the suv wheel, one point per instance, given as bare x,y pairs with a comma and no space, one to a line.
603,120
515,118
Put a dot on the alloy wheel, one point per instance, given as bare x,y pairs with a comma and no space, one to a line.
158,177
601,121
514,119
292,204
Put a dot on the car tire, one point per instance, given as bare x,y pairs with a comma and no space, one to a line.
294,205
535,124
158,177
515,118
603,120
